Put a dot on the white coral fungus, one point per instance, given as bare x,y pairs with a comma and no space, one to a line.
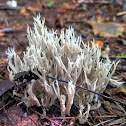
65,57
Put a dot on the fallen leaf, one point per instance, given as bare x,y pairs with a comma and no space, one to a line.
3,61
5,86
112,9
68,6
107,29
107,106
62,10
74,1
18,27
99,44
119,89
24,12
33,8
39,3
2,27
99,12
2,34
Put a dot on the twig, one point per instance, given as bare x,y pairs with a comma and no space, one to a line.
103,122
121,13
45,117
120,107
96,2
63,118
10,8
89,123
34,76
20,103
105,116
8,30
86,89
5,105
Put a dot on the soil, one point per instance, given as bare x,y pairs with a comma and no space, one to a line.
60,15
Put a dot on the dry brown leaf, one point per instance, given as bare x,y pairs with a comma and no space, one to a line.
33,8
108,106
2,27
69,6
62,10
108,29
119,89
18,27
24,12
2,34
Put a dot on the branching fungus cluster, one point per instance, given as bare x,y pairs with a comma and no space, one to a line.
65,57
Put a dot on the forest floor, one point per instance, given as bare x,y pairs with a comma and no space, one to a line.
102,20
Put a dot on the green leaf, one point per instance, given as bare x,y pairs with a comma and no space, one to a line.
121,56
50,3
111,69
104,60
84,8
0,75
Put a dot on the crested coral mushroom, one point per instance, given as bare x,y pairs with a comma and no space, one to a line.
63,56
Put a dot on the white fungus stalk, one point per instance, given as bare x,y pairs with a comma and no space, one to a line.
65,57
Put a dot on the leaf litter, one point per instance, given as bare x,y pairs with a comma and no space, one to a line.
109,32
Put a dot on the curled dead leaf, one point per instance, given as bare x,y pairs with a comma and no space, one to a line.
108,29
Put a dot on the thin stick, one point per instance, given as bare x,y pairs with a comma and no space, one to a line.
45,117
85,89
21,74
